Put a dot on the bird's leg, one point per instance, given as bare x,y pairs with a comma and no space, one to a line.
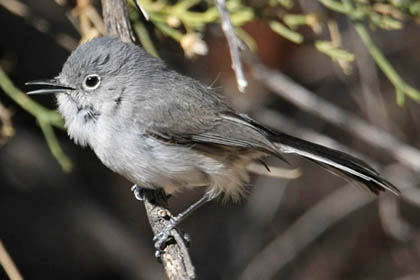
162,237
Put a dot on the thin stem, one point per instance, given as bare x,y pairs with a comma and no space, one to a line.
235,44
384,64
145,39
55,147
46,119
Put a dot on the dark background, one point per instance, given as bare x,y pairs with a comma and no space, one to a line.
87,225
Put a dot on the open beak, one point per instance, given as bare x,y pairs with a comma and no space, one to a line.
54,86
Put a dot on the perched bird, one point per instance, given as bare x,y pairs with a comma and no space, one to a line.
163,130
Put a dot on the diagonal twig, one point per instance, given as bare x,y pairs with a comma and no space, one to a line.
7,263
235,44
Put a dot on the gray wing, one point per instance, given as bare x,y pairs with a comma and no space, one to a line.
191,113
217,128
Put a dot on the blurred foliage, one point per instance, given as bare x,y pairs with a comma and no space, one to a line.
185,22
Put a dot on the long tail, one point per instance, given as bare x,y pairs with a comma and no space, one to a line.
335,161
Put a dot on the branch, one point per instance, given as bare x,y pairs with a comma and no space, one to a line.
235,45
176,259
116,19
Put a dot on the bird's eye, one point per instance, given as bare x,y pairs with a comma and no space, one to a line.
91,82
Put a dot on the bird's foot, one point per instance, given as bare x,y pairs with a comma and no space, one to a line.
165,237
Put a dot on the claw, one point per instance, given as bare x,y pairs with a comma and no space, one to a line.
151,195
158,255
138,192
161,240
187,238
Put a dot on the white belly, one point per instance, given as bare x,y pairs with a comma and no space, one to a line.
151,163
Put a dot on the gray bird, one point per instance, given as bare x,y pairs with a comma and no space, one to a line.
162,130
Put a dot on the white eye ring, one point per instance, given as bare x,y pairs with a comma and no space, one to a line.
92,82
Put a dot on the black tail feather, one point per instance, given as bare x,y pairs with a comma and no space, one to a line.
336,161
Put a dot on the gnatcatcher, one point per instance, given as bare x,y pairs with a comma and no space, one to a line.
162,130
